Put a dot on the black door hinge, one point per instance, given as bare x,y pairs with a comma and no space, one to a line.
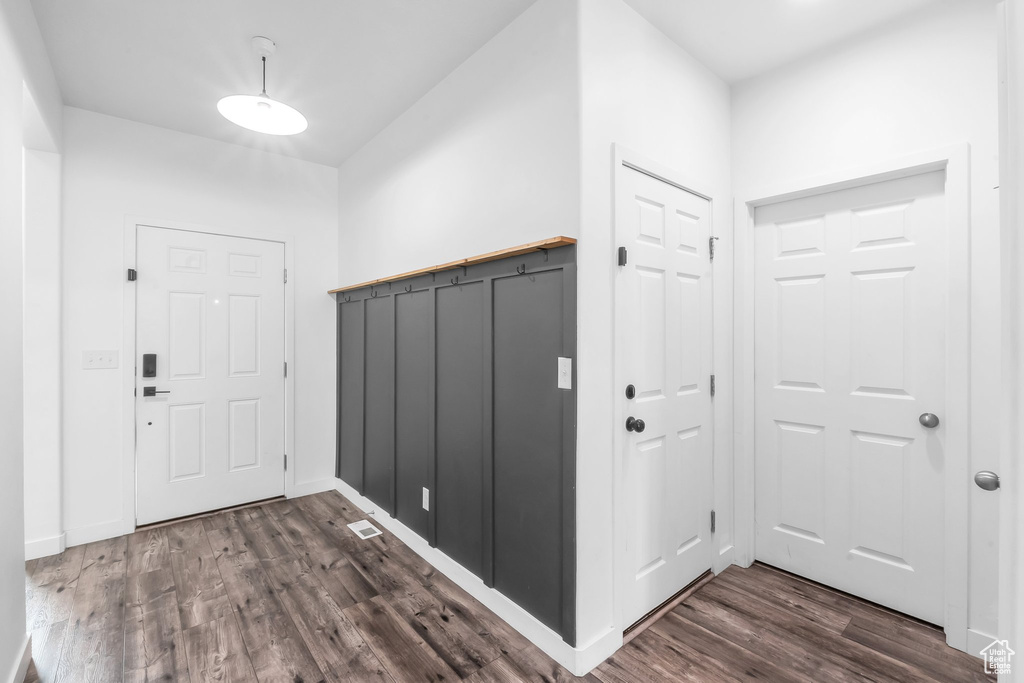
712,386
711,247
712,521
622,256
132,275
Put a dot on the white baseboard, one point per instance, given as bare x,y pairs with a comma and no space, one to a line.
95,532
579,660
976,641
20,667
310,487
589,656
44,547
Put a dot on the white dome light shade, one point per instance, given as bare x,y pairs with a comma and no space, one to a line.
262,114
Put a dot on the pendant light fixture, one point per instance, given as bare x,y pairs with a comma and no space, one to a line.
259,112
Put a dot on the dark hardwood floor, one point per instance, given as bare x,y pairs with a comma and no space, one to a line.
285,592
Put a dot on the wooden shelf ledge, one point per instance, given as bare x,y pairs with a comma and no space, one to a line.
543,245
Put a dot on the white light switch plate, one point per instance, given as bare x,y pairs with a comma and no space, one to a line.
426,498
99,360
564,373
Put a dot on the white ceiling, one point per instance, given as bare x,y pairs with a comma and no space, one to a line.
352,66
739,39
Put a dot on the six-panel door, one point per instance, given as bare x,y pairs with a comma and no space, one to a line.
850,350
211,308
664,318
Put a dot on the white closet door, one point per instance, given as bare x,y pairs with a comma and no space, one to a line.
664,319
850,350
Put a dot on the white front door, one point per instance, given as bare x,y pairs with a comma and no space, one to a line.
663,321
211,310
850,350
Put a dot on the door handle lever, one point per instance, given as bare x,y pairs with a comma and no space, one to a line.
151,391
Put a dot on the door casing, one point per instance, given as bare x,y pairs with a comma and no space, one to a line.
128,449
721,556
955,161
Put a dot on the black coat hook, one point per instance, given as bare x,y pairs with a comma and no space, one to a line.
408,288
373,293
521,269
455,280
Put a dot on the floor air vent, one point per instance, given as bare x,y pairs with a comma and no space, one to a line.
364,529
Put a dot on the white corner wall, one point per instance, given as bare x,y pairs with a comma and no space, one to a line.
642,91
516,145
115,168
487,159
29,117
927,82
44,534
1011,471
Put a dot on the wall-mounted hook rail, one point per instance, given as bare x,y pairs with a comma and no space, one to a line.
543,246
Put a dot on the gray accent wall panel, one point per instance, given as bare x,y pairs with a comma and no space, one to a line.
379,418
460,430
351,355
448,381
414,407
528,443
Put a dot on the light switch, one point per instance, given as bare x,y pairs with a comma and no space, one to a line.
426,498
99,360
564,373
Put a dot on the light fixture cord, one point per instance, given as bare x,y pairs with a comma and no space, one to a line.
264,75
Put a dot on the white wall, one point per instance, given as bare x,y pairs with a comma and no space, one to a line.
922,84
115,168
29,116
516,145
1011,471
487,159
43,276
642,91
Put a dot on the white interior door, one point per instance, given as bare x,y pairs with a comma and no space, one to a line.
211,308
663,322
850,349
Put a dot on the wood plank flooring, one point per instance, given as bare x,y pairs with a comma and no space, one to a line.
285,592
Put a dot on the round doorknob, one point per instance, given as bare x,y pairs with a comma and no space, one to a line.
635,425
987,480
929,420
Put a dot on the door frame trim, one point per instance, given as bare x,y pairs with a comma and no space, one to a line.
721,550
955,160
128,451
